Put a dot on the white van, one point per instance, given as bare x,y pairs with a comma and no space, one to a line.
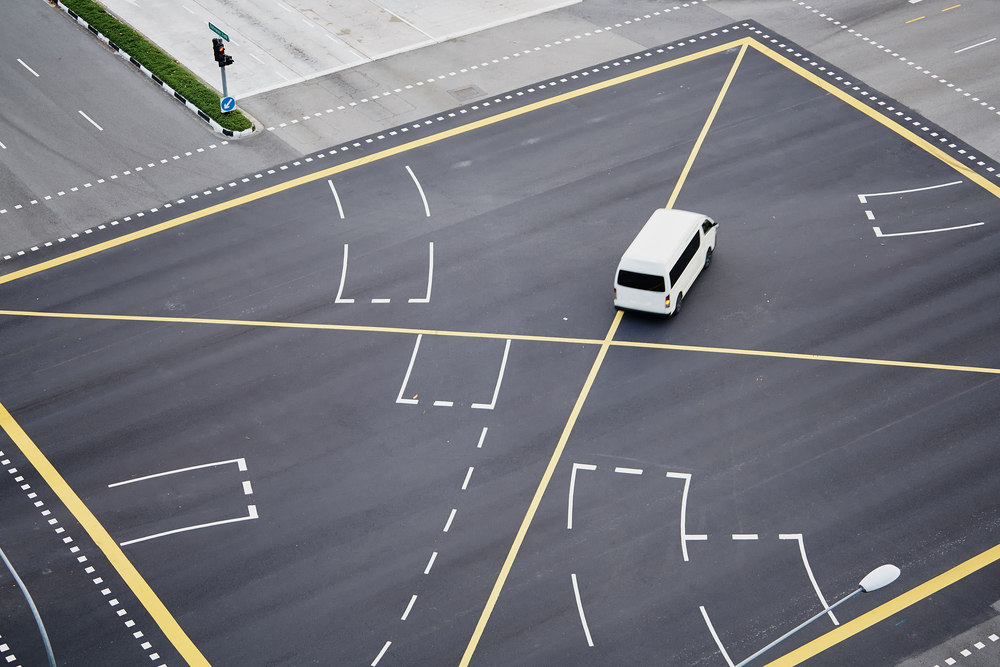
662,262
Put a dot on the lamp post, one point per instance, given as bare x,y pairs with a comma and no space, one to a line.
876,579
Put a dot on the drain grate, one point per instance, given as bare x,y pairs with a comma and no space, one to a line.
466,93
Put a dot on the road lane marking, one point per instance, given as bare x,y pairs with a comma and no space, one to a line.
539,492
975,45
685,537
26,67
502,336
430,275
468,476
111,550
430,563
805,561
247,488
715,636
950,8
482,437
704,130
451,517
880,234
241,464
496,391
745,536
381,300
629,471
423,197
572,490
336,197
406,378
382,652
251,515
916,19
870,215
444,404
579,607
408,608
343,279
99,128
864,198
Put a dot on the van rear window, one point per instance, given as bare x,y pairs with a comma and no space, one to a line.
642,281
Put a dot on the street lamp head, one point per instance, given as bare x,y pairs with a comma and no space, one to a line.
879,577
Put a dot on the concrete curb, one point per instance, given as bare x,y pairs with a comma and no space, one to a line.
170,91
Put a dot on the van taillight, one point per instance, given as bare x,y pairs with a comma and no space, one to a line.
616,292
666,303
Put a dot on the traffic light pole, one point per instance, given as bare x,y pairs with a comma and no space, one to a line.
225,89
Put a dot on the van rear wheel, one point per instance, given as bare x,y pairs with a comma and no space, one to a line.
677,306
708,258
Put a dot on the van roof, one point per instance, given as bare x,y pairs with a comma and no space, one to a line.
665,232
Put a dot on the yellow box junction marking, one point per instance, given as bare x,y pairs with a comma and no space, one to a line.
152,603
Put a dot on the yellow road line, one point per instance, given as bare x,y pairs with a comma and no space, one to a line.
704,130
539,492
916,19
952,7
504,336
374,157
886,610
173,631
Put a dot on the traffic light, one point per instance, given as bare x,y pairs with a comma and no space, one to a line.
219,50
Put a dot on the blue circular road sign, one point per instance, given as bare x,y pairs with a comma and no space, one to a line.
228,104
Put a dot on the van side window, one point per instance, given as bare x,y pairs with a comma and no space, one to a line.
707,226
686,256
643,281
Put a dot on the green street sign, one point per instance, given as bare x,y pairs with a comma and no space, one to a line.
219,32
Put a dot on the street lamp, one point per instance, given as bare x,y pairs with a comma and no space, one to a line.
876,579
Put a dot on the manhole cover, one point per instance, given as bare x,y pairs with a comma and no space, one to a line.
467,93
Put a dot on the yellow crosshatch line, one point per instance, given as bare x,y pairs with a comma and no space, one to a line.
162,616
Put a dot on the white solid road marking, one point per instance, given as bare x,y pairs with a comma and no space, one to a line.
444,404
629,471
468,476
572,489
423,198
430,276
496,391
26,67
251,509
340,209
451,517
805,561
482,437
409,369
247,488
5,148
686,476
92,121
343,278
975,45
579,606
430,563
871,216
864,198
241,463
381,300
880,234
408,608
744,536
382,652
718,642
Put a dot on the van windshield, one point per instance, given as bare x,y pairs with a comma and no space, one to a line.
643,281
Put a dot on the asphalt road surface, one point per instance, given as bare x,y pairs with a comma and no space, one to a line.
376,407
